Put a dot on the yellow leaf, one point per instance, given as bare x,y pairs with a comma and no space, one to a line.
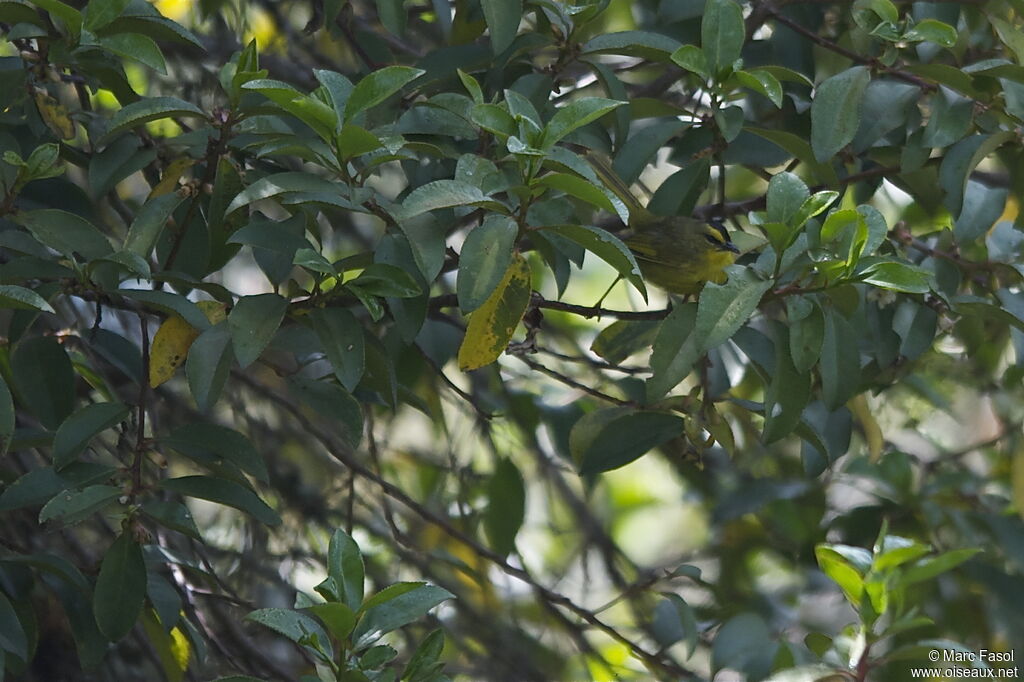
869,426
173,339
173,9
1018,482
172,647
215,311
470,569
1011,210
54,115
492,324
169,182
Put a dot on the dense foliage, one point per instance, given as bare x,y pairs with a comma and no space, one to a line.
307,289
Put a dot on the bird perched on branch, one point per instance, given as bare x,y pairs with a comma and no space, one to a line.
677,253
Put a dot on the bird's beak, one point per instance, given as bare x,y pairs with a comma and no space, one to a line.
729,246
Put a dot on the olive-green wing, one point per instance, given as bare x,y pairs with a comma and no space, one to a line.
661,243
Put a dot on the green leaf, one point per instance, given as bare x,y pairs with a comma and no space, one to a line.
724,308
32,489
674,621
641,149
12,633
605,246
838,566
382,279
575,115
129,262
928,568
205,442
878,229
961,160
392,15
763,82
486,255
320,117
424,663
292,624
806,335
643,44
840,361
208,365
446,194
679,193
472,86
895,276
502,17
506,507
787,393
156,27
495,120
692,58
1009,34
77,430
345,569
377,87
223,491
120,588
65,232
812,206
69,15
933,31
341,336
314,261
20,298
6,420
135,46
72,506
675,350
252,323
847,231
895,552
951,118
355,141
623,338
339,89
172,304
741,642
730,122
43,379
982,207
149,222
332,402
613,437
576,186
835,111
151,109
339,618
173,515
491,325
786,195
721,34
393,614
886,107
798,147
288,183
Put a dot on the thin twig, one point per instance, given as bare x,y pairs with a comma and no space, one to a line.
346,456
849,54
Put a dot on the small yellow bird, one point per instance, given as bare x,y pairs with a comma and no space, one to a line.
677,253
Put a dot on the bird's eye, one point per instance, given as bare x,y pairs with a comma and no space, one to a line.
712,240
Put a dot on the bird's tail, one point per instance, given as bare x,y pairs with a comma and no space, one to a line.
603,167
